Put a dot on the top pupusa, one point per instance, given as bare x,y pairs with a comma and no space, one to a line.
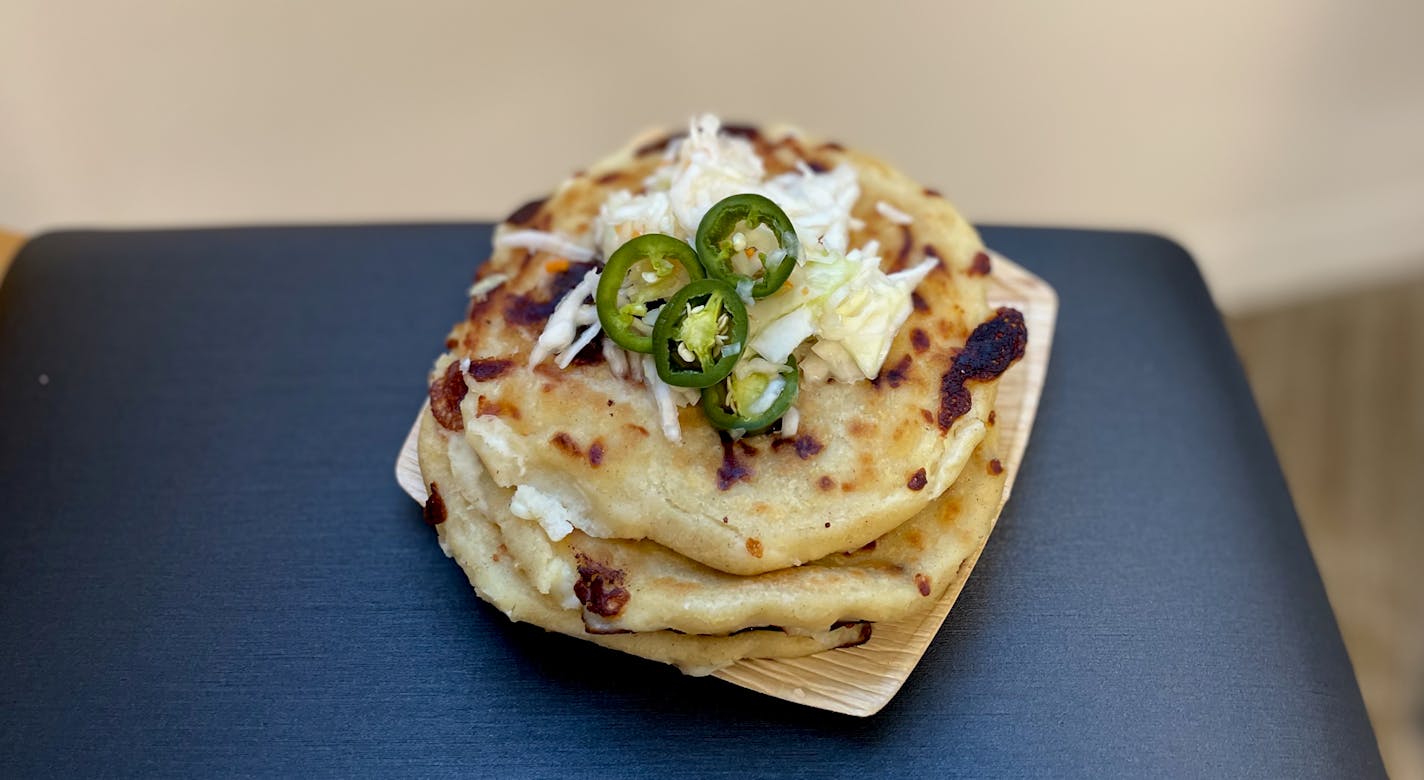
851,471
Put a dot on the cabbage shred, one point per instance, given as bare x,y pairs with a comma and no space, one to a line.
838,314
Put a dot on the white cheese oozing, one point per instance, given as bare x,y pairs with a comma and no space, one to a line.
549,512
501,457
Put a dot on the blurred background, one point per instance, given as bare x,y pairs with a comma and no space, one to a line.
1278,140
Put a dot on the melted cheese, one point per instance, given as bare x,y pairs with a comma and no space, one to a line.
534,504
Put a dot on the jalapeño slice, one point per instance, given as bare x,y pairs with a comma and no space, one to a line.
718,403
700,334
663,254
715,249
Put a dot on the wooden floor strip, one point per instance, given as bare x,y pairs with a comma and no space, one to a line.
1340,383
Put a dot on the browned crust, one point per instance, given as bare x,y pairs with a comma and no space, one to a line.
993,346
864,636
922,582
488,369
566,444
805,445
732,470
533,310
434,509
525,215
446,393
600,587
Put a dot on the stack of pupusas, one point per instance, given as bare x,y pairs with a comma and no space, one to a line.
728,394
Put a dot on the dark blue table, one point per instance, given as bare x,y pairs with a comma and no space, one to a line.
206,566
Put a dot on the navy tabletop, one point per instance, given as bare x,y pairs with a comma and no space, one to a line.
206,566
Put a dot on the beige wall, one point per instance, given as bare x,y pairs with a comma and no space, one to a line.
1279,140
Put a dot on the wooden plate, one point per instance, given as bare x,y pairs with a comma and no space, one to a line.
862,680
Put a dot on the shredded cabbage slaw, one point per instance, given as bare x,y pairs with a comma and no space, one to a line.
838,313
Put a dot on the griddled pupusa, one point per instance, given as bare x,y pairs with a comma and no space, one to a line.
474,541
623,585
581,446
